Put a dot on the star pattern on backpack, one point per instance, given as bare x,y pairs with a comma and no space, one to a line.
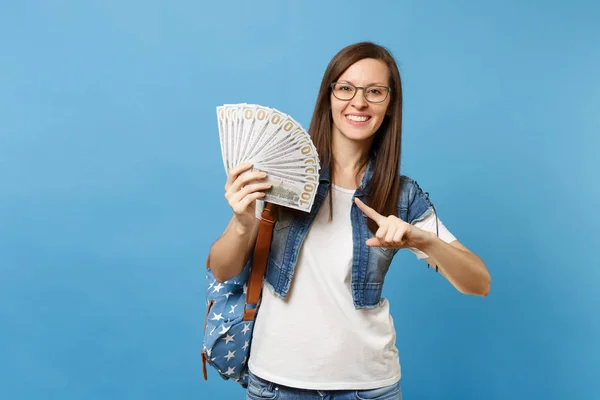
227,338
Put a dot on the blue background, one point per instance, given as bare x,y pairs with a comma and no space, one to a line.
111,185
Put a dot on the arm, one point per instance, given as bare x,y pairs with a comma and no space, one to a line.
231,251
461,267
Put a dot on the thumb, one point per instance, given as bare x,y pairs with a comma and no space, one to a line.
373,242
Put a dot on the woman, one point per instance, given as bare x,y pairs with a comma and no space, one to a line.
323,330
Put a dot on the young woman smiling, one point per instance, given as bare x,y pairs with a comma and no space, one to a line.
323,330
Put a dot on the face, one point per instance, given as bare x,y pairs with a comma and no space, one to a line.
358,119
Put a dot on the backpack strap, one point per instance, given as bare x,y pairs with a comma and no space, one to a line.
259,261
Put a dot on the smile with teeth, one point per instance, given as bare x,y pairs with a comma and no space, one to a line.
356,118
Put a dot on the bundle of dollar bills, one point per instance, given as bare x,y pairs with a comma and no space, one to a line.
274,143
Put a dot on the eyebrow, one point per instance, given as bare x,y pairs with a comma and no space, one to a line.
370,84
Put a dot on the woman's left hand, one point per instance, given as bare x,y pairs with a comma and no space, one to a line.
393,232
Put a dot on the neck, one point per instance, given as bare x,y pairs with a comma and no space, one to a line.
350,159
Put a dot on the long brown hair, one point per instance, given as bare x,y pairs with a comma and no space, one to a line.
383,187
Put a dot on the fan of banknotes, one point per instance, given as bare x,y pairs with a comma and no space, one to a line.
274,143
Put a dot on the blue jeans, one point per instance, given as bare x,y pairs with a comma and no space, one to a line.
260,389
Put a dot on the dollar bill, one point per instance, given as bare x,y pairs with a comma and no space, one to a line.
292,153
293,194
229,111
307,167
269,135
246,122
260,117
291,176
291,148
222,126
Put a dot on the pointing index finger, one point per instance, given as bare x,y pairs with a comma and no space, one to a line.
369,212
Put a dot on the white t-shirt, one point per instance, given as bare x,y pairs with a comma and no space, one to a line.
315,338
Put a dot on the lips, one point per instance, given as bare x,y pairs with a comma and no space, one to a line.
357,119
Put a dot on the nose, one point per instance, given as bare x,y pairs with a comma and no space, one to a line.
359,102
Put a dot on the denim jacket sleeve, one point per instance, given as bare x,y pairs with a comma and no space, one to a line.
414,204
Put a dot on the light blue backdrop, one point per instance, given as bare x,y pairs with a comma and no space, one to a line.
111,185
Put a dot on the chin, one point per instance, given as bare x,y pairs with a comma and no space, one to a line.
358,134
357,137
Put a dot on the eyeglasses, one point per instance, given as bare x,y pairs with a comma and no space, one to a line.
373,94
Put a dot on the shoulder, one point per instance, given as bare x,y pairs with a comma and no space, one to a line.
413,203
409,189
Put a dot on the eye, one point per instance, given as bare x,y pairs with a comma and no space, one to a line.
344,87
375,90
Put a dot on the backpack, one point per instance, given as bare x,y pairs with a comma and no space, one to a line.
231,310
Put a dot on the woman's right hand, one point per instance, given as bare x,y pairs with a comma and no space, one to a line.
241,191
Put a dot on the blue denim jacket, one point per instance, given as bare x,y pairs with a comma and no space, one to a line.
370,264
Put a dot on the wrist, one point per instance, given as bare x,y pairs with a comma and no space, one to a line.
428,240
240,228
